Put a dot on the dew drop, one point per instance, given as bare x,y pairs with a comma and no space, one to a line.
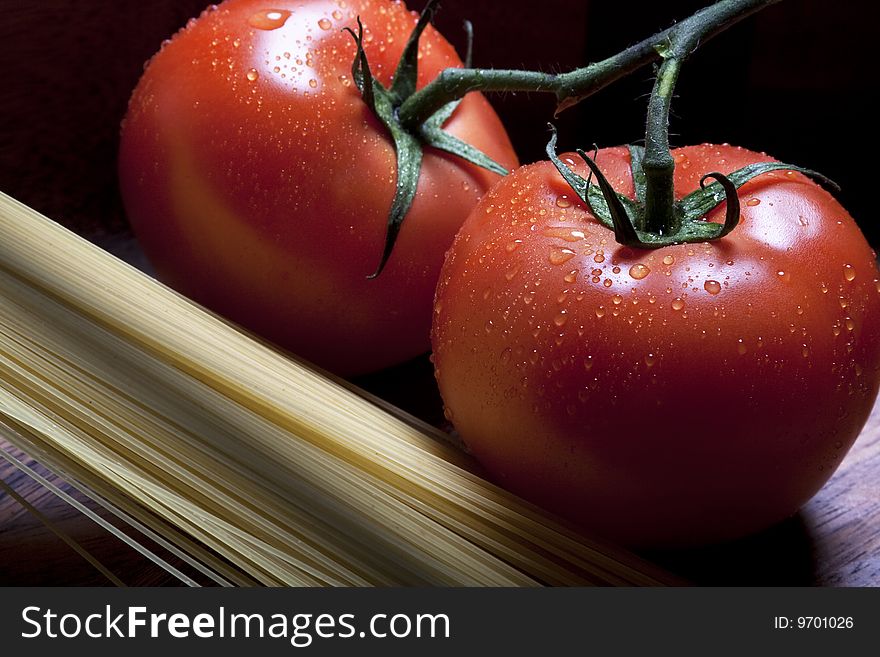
489,326
677,303
843,302
270,19
607,282
668,260
599,257
512,246
560,256
835,329
650,359
337,14
712,287
346,82
325,24
588,363
752,202
600,312
741,347
849,323
510,274
252,75
528,297
571,276
563,201
805,351
565,234
313,83
638,271
560,319
617,299
849,272
505,355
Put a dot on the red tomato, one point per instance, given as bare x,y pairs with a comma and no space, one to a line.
259,183
668,397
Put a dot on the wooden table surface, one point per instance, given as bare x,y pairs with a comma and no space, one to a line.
833,541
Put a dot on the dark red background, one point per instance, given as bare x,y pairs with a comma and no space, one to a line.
792,81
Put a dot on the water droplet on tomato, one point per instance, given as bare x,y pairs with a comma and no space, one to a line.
512,246
805,351
563,201
344,80
752,202
571,276
588,363
843,302
712,287
741,347
560,256
617,299
236,43
668,260
784,276
638,271
337,14
313,83
510,274
849,323
677,303
270,19
505,355
835,329
252,75
560,319
849,272
607,282
600,312
325,24
650,359
599,257
564,233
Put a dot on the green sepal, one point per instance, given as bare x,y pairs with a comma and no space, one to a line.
431,133
626,217
385,102
403,85
409,165
616,214
700,202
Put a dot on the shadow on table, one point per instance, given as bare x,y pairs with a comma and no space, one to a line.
780,556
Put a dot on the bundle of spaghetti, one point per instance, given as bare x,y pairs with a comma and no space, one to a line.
286,473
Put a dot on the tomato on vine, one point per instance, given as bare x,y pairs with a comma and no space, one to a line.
259,181
680,395
667,347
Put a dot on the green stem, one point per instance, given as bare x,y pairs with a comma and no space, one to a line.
570,88
657,163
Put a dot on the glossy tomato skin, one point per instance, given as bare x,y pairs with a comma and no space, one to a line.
679,396
259,183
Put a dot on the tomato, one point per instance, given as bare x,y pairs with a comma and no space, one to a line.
259,183
670,397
